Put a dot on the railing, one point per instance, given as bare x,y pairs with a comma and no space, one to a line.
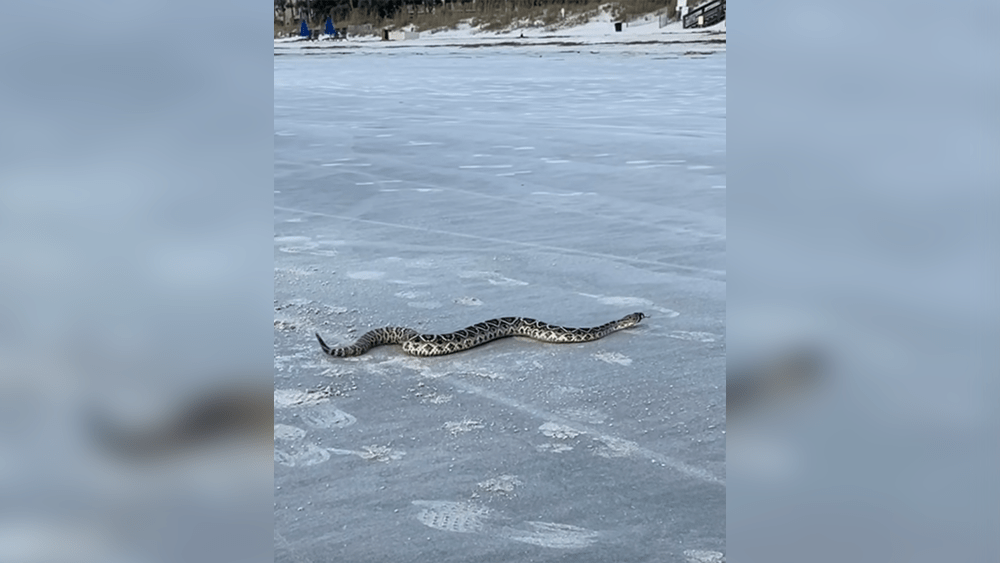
707,14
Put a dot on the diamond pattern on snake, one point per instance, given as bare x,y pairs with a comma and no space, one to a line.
417,344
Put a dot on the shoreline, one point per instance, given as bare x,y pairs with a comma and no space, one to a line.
644,32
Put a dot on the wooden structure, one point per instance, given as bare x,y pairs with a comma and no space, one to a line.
709,13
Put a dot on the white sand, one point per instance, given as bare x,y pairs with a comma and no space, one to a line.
600,30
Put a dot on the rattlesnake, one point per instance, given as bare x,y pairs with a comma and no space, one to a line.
417,344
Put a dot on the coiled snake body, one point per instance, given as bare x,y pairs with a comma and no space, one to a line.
417,344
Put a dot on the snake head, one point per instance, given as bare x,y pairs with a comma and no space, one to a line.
635,317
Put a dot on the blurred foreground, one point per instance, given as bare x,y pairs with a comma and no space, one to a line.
134,288
864,229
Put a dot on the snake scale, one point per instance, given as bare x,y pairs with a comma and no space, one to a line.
417,344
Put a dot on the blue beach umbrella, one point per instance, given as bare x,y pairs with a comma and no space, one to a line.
304,30
329,27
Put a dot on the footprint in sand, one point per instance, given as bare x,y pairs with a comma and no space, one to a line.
693,336
613,358
610,447
286,398
410,294
471,518
463,426
558,431
492,277
372,453
555,448
300,245
704,556
326,416
501,485
300,454
286,433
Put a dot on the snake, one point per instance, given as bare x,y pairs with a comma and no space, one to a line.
417,344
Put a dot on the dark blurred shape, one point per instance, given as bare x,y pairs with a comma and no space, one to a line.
135,230
234,413
773,379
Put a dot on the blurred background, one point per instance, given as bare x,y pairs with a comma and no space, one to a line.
135,282
862,303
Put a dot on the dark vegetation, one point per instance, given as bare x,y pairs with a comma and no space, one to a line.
427,15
